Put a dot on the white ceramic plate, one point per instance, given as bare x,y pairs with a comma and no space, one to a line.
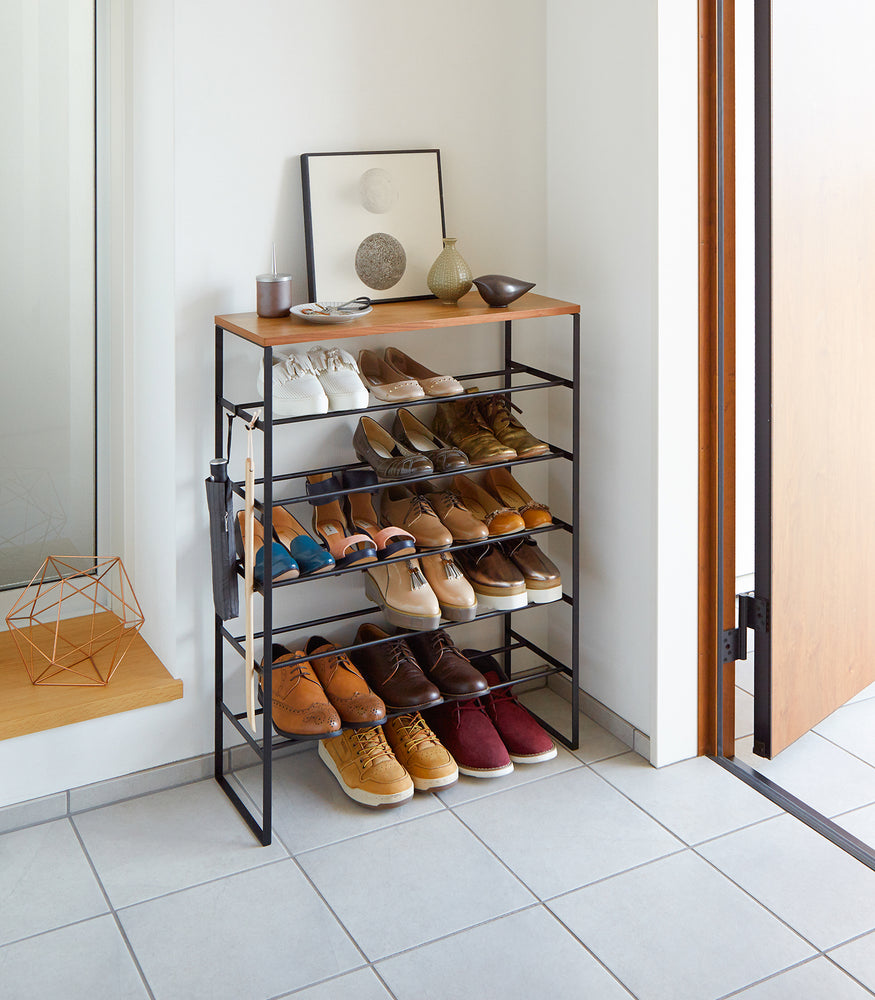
331,318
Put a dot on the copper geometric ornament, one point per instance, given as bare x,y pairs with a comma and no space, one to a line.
83,651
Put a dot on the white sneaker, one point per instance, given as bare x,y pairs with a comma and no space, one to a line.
338,373
296,389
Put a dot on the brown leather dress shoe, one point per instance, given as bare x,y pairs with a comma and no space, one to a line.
345,687
406,509
460,422
300,706
498,584
445,665
392,671
448,506
387,457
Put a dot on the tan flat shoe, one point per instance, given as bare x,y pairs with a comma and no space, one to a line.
403,593
384,382
501,484
432,383
499,519
455,595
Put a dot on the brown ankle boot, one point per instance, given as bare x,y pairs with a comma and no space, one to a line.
497,415
460,422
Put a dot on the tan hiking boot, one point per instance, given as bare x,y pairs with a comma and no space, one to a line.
426,759
460,422
366,768
498,417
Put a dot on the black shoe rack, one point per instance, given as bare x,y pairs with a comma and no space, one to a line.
288,488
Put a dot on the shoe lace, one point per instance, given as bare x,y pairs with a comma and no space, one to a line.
439,641
414,732
369,745
419,507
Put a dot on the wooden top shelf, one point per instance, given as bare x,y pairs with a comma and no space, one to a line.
392,317
141,679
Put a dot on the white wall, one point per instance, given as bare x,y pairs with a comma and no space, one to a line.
621,134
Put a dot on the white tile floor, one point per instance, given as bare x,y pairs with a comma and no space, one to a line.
593,876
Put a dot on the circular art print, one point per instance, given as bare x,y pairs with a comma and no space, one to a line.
380,261
378,191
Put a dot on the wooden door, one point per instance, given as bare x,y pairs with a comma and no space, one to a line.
815,362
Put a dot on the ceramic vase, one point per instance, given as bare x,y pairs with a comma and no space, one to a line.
450,277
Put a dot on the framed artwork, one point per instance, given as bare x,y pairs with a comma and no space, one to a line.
373,223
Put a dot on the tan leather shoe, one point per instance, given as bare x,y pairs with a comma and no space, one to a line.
448,506
345,687
501,484
366,769
499,519
384,383
455,595
460,422
498,584
404,508
300,706
404,594
420,752
432,383
496,413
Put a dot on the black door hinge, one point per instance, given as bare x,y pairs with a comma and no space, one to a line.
753,612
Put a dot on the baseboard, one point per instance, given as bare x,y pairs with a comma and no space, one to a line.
605,717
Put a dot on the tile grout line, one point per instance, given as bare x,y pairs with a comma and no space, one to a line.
770,977
739,829
589,951
850,975
850,753
112,910
606,878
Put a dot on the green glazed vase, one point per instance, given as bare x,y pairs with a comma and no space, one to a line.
450,277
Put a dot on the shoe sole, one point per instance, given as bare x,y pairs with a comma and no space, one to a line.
348,401
296,736
359,795
505,602
453,614
400,618
533,758
483,772
545,595
431,784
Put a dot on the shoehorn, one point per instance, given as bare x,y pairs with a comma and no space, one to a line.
249,573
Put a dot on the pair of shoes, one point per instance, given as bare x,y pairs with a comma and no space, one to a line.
412,511
283,565
397,378
319,380
488,735
504,506
329,523
486,429
317,696
410,450
381,766
415,594
390,540
304,550
417,671
510,575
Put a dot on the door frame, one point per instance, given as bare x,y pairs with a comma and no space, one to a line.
716,698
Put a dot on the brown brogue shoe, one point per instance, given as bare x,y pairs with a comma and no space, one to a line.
345,687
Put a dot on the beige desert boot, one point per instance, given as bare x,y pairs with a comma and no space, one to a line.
366,768
424,757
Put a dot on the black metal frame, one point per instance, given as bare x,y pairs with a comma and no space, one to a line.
763,436
513,638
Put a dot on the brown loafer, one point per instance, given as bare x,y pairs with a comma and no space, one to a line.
392,671
496,412
344,686
460,422
501,484
414,434
432,383
401,506
499,519
543,582
300,707
446,666
497,582
387,457
385,383
448,506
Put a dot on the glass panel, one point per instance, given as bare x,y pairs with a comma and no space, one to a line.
47,268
